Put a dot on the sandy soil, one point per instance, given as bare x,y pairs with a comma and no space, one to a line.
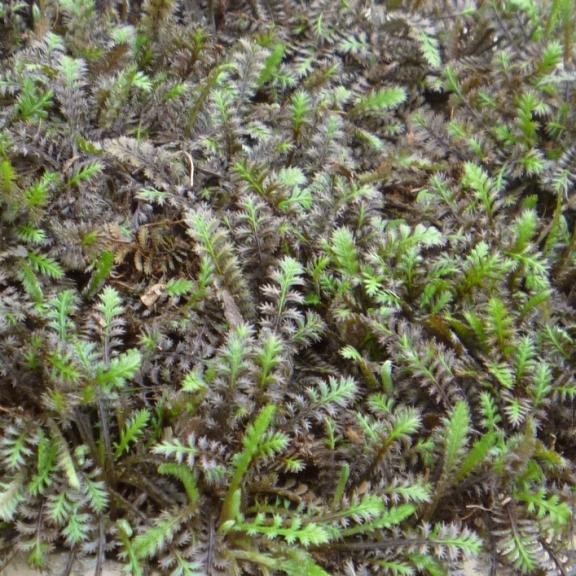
58,562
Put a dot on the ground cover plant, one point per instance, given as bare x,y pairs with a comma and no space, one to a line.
288,287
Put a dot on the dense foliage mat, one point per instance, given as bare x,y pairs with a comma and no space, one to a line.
288,287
